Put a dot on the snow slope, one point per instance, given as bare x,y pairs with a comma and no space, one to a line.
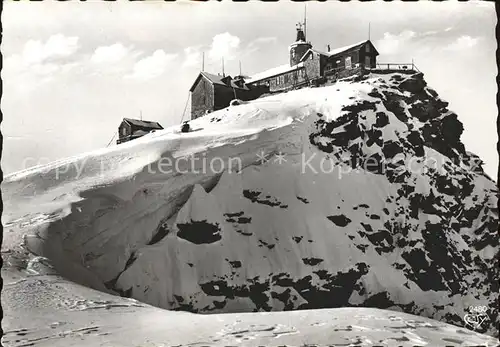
49,311
366,197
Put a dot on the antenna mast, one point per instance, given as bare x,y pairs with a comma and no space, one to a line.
240,67
223,75
369,30
203,61
305,21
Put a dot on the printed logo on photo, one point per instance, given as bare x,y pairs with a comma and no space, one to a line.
476,317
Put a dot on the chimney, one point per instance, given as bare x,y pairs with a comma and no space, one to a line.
328,48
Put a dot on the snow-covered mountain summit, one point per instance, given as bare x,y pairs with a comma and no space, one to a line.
355,194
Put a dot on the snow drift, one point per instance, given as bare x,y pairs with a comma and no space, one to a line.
357,194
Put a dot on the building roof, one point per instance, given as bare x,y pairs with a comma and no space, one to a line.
340,49
287,68
273,72
138,133
143,123
225,81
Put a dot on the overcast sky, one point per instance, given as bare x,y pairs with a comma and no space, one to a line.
73,70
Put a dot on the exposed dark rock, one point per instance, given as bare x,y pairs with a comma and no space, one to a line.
417,143
160,234
374,136
444,136
367,227
244,233
379,300
253,196
304,200
393,103
244,220
339,220
286,298
235,264
414,84
382,119
362,248
199,232
350,125
263,243
236,214
382,240
312,261
375,94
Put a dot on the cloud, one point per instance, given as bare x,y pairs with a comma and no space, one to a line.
109,54
429,33
115,59
392,44
192,56
152,66
462,43
408,40
224,45
40,62
57,46
264,40
256,44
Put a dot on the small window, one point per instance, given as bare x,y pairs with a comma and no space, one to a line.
348,62
124,131
355,57
367,48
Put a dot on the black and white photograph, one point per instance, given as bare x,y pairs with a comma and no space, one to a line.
259,174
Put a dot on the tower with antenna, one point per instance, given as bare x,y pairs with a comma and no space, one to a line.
301,45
